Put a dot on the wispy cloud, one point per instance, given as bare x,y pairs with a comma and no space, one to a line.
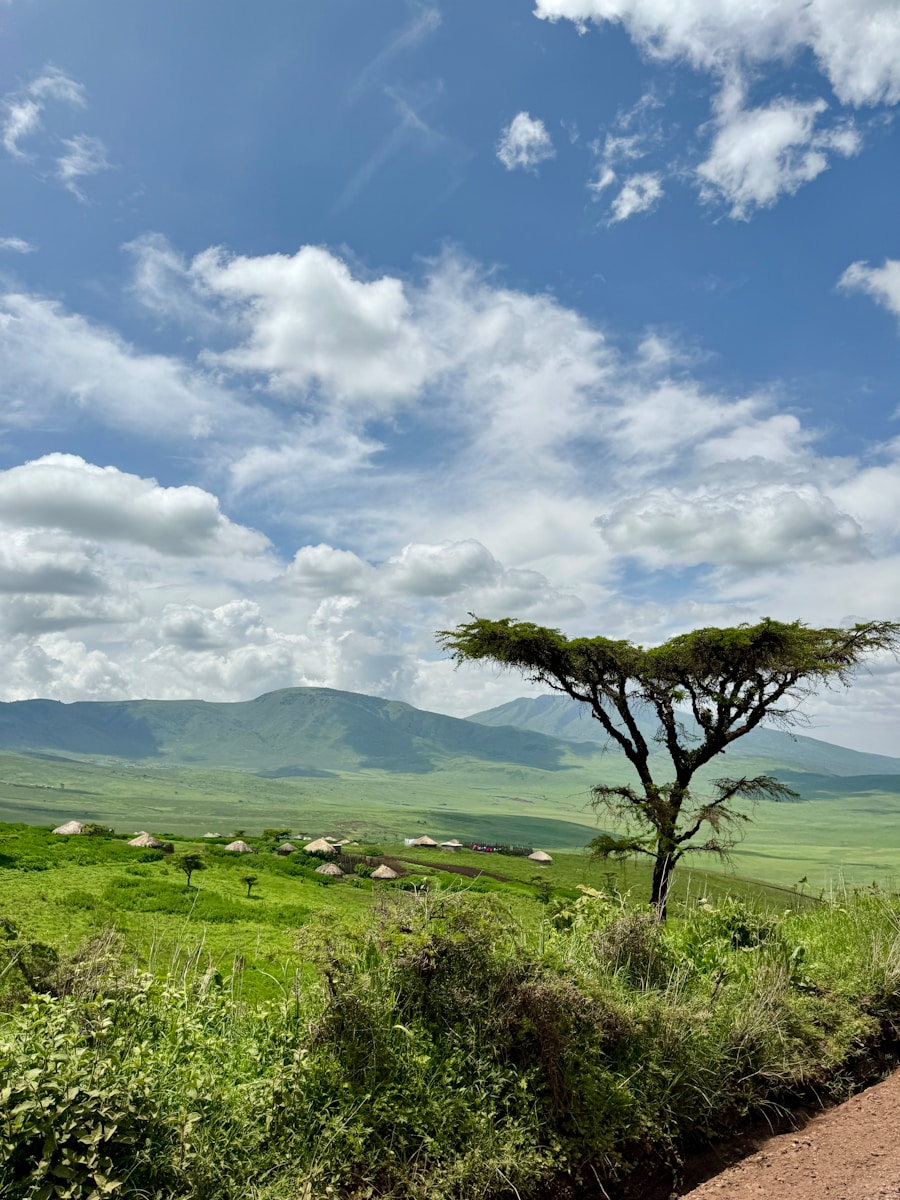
83,156
16,245
23,110
425,20
410,126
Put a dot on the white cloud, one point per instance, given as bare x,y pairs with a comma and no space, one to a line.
525,143
23,110
747,528
518,423
758,154
63,492
761,154
310,322
326,571
881,283
83,156
856,45
442,570
640,193
16,245
22,118
58,367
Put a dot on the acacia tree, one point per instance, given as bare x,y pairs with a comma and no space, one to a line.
727,680
189,862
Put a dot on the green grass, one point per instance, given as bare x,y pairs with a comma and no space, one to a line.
433,1052
832,838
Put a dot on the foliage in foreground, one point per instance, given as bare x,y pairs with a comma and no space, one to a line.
433,1054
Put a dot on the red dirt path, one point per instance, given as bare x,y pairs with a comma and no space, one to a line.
851,1152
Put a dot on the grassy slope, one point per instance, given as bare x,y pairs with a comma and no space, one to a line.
62,890
853,833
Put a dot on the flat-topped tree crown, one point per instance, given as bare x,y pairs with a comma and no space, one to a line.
729,679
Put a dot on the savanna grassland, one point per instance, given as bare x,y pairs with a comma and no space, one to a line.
480,1027
842,831
443,1036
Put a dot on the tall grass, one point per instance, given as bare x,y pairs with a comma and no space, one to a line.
436,1052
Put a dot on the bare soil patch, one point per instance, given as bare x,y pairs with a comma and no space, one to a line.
469,872
851,1152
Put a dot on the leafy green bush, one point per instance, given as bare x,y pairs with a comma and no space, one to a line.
433,1052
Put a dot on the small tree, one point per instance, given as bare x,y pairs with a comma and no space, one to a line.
727,680
95,829
189,862
250,880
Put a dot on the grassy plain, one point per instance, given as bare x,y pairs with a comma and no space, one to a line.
846,831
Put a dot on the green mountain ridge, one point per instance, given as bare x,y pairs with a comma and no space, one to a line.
560,717
295,731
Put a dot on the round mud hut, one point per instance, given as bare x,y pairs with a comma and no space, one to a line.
320,846
239,847
384,872
330,869
146,841
285,848
70,828
541,857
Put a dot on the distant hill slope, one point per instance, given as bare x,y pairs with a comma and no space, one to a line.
295,731
560,717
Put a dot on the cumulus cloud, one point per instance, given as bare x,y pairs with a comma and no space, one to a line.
881,283
442,570
63,492
309,321
761,154
519,421
525,143
758,154
856,45
83,156
748,528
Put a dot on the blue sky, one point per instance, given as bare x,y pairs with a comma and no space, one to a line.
324,324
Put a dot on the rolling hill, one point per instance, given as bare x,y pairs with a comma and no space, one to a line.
293,732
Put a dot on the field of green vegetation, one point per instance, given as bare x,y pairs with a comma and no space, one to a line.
528,1032
845,832
480,1027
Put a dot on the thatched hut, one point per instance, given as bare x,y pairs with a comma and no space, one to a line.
451,845
239,847
331,869
427,842
384,872
70,828
320,846
541,857
146,841
285,848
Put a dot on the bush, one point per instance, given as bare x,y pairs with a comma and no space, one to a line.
432,1053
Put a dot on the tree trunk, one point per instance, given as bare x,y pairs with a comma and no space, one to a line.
662,871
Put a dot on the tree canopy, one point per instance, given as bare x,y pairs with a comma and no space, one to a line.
728,679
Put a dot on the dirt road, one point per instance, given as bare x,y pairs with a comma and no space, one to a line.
851,1152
